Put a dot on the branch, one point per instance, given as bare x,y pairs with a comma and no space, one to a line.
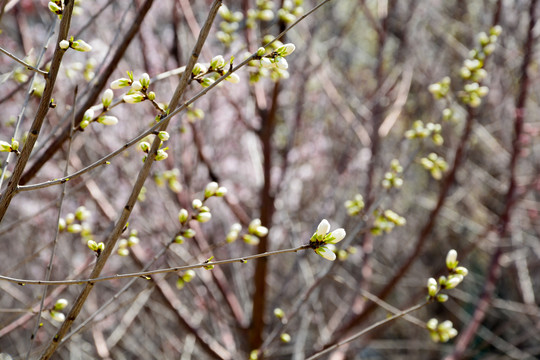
23,63
145,274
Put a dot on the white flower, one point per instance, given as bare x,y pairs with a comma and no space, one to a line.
323,228
326,253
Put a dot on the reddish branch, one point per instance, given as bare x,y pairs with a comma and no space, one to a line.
93,94
511,196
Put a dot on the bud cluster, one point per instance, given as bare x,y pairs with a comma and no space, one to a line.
79,45
385,221
171,177
263,12
356,205
229,25
441,332
161,153
290,11
10,147
272,65
435,164
186,277
392,178
206,76
76,223
125,244
421,131
456,274
56,313
322,241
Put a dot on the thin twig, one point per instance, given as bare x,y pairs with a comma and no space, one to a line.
145,274
366,330
23,63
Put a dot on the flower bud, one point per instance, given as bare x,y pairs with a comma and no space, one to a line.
183,216
204,217
136,86
161,155
336,236
326,253
451,259
251,239
60,304
81,45
58,316
133,98
323,228
286,338
163,135
286,49
210,189
107,98
281,63
144,80
108,120
120,83
189,233
92,245
188,275
261,51
145,146
88,115
453,281
233,78
217,62
432,287
64,44
196,203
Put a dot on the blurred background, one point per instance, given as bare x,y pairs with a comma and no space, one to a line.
291,147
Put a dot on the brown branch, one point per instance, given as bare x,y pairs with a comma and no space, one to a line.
93,94
511,198
42,111
141,178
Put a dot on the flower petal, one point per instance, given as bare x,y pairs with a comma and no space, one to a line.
323,228
336,236
326,253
